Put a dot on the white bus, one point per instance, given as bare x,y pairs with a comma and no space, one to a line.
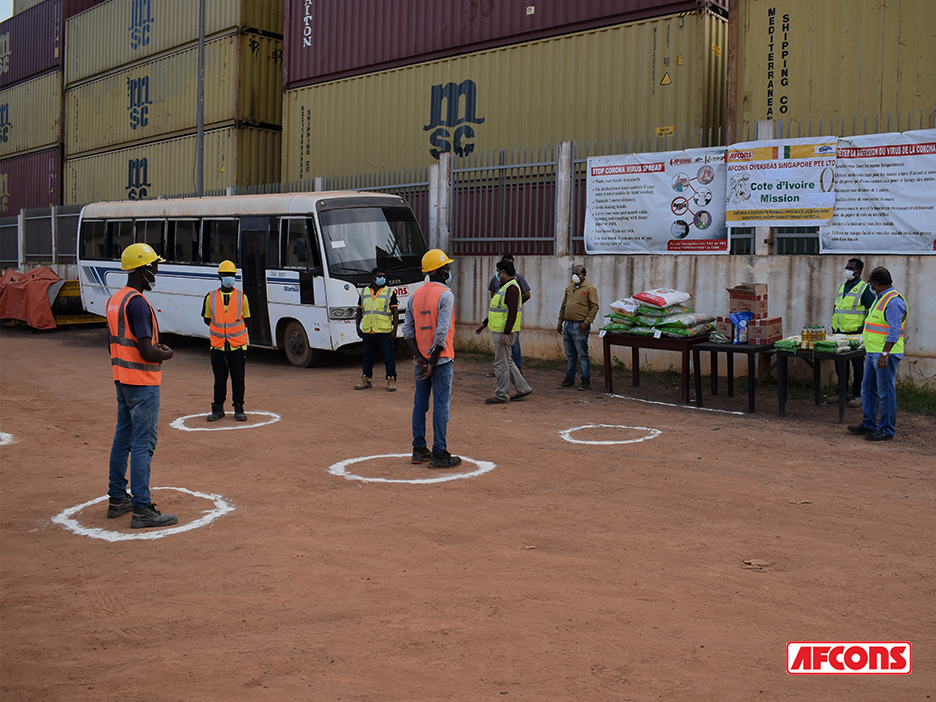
301,260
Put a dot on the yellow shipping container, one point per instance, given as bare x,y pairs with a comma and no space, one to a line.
120,32
243,83
233,157
620,81
801,60
31,115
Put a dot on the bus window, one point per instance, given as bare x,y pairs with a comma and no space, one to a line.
299,249
151,232
93,240
182,241
120,236
219,239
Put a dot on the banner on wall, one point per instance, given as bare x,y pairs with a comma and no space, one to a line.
664,203
781,183
885,195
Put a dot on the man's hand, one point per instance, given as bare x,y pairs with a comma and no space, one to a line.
882,362
479,328
165,348
425,368
583,328
359,332
559,327
504,340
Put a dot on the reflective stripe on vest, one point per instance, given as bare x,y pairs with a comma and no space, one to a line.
375,310
876,326
849,313
497,313
227,323
127,363
425,304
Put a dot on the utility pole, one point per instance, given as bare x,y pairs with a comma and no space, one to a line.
200,137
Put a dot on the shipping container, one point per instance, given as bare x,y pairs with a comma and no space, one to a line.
23,5
331,40
243,85
32,42
31,114
662,76
233,157
117,33
802,60
33,180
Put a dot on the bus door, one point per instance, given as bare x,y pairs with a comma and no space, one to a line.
255,249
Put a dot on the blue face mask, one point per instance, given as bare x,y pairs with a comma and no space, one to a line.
228,281
380,282
448,277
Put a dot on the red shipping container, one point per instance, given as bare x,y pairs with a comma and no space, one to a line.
331,39
34,180
33,42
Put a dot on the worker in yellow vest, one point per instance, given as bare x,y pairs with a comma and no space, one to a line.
884,347
852,302
377,321
225,312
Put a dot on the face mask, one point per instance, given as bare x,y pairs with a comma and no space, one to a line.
576,279
448,277
228,281
380,282
849,274
150,282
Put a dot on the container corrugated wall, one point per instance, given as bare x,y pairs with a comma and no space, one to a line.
800,59
233,157
23,5
629,79
330,40
243,84
118,32
31,114
33,180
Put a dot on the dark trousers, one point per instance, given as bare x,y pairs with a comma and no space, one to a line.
222,364
857,365
382,341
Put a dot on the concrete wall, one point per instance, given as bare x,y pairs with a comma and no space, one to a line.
801,289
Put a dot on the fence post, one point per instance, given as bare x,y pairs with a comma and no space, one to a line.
54,230
440,203
21,241
319,184
764,236
563,199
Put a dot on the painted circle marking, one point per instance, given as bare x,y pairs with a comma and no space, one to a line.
180,422
340,470
567,434
64,518
6,438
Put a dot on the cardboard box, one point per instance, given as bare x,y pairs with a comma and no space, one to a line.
724,325
765,331
748,296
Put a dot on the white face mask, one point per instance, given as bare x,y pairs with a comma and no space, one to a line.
576,279
849,274
150,283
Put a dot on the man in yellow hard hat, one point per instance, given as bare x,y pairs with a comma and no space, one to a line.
136,361
224,312
429,330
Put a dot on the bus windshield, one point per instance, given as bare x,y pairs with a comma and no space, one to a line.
359,239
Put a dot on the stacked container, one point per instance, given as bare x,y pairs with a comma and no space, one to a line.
375,86
131,99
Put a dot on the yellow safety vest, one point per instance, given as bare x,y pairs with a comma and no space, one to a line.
876,326
849,313
497,313
375,308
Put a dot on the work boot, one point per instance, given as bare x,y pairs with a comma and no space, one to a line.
365,384
118,506
149,516
854,402
421,454
831,399
566,383
239,414
586,385
217,412
443,460
391,384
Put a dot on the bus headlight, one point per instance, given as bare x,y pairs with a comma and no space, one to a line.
342,312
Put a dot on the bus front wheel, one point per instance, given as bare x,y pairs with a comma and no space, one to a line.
296,344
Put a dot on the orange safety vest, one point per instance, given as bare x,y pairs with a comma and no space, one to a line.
227,323
128,364
425,304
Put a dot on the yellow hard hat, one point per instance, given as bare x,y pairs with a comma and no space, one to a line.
227,267
433,260
137,255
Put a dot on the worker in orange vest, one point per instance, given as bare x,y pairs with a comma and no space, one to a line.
224,312
136,358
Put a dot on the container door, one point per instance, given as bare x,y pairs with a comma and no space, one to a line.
255,242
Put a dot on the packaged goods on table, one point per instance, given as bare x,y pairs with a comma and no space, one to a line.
740,321
791,343
651,311
685,332
718,338
828,346
627,306
811,335
662,297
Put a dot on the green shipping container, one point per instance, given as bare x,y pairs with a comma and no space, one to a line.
233,157
243,86
659,76
31,115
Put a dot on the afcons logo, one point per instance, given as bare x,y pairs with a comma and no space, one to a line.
740,155
452,129
849,658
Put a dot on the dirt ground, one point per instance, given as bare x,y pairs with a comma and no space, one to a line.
568,571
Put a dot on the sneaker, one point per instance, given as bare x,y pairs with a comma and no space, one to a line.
365,384
118,506
519,396
421,454
566,383
859,429
391,384
879,435
831,399
854,402
239,414
495,401
586,385
443,460
149,516
215,415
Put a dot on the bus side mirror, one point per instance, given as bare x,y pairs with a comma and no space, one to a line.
302,252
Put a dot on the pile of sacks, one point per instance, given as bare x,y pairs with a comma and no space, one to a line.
659,312
833,343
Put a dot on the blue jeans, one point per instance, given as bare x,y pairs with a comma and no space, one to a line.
381,341
576,350
515,352
879,386
439,385
137,424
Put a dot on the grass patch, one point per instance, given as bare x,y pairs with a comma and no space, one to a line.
917,393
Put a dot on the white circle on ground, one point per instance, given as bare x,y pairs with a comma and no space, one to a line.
340,470
567,434
64,518
6,438
180,422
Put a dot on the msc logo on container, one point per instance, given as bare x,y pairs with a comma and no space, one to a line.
139,101
5,126
848,658
137,179
451,128
4,192
5,53
141,21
